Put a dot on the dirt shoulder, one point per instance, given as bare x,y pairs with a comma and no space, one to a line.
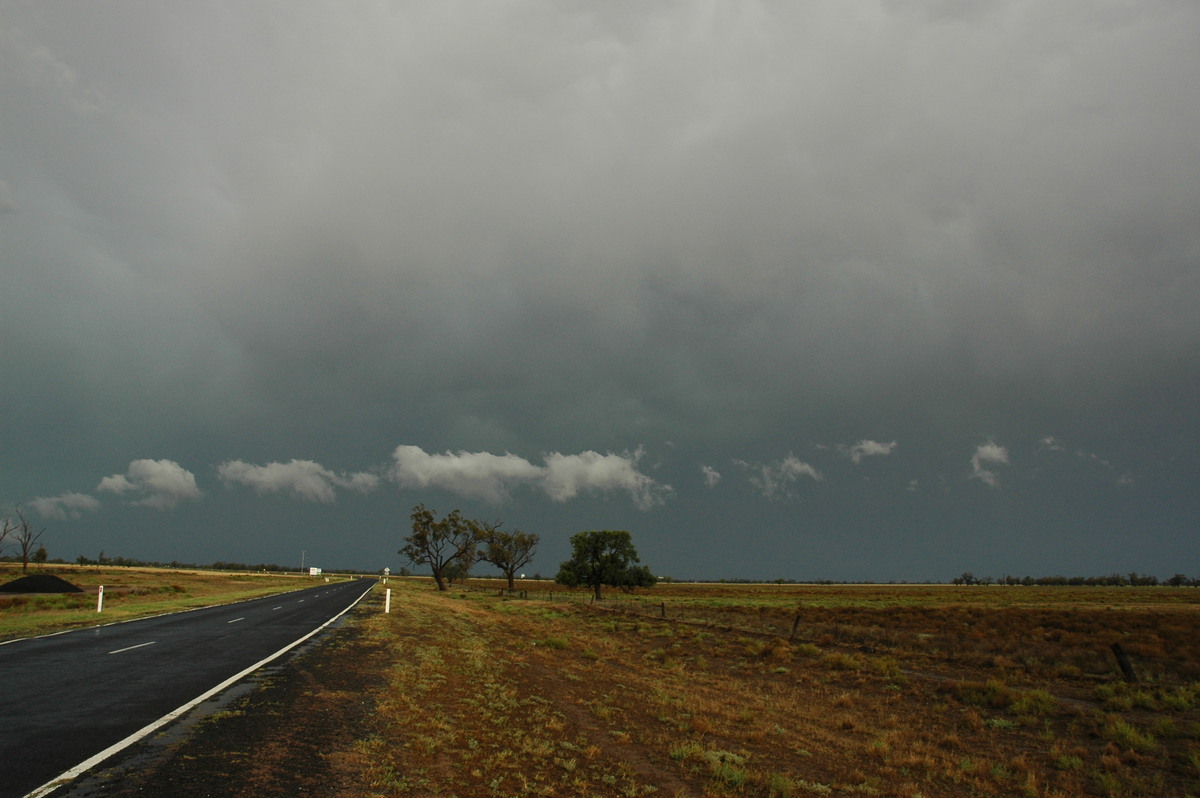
466,695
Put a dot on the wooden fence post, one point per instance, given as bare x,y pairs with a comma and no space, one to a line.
1123,661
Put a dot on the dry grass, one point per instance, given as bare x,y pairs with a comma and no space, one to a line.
128,593
888,691
490,695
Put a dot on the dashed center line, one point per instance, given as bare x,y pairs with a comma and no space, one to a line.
235,620
131,648
276,608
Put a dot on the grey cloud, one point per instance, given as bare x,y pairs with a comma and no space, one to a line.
67,505
560,228
868,448
774,480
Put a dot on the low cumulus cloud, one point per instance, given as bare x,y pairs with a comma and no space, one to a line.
161,484
492,477
567,475
303,479
986,455
866,448
1051,444
68,505
711,476
774,480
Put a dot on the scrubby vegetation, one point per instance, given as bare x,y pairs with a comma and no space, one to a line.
692,694
128,593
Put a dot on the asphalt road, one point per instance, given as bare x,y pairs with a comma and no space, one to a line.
64,698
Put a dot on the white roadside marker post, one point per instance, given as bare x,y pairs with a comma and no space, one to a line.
100,599
387,600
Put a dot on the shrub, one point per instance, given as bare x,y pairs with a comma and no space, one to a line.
842,662
726,767
992,693
1034,702
1128,735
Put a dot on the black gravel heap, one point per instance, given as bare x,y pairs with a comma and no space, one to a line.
39,583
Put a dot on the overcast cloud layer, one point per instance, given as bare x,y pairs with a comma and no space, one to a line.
838,290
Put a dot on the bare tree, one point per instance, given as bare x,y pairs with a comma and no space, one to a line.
26,538
7,527
508,551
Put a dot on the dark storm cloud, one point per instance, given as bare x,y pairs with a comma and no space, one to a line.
921,235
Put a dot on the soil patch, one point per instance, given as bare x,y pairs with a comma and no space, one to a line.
40,583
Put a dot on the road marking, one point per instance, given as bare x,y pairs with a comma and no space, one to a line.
89,763
235,620
131,648
276,608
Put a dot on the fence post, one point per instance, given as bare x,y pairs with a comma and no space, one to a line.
795,624
100,599
663,610
387,600
1123,661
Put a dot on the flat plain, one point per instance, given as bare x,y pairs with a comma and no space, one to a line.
719,689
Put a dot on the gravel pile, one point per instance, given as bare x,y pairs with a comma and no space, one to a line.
39,583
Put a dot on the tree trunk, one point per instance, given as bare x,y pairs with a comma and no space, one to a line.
596,591
441,583
511,584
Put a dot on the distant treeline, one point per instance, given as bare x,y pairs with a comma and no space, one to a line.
1132,579
219,565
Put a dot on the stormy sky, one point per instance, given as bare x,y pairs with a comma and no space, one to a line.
837,290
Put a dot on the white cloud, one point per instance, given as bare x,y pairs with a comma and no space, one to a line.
566,475
866,448
479,475
303,478
988,453
68,505
162,484
711,476
117,483
773,479
492,477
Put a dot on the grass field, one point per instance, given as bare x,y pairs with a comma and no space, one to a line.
705,690
756,690
128,593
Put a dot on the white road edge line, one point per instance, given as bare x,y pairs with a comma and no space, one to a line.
131,648
88,764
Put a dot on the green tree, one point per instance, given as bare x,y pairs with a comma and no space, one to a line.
603,558
440,544
508,551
